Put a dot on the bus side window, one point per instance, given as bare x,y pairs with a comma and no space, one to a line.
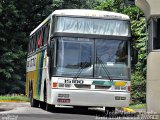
36,40
43,33
33,43
29,48
46,35
30,45
40,38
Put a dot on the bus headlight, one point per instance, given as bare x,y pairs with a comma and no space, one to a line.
120,85
62,85
120,88
67,85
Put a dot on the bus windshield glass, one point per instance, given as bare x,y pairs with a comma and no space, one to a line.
93,26
98,58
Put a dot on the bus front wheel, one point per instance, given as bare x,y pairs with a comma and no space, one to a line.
33,102
44,104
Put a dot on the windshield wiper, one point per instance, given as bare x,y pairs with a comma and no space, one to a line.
105,68
80,70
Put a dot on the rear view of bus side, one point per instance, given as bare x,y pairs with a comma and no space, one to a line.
80,58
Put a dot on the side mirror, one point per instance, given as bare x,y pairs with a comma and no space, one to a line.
48,50
134,56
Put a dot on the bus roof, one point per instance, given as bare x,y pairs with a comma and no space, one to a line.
84,13
90,13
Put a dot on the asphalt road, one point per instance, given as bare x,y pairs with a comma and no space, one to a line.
23,111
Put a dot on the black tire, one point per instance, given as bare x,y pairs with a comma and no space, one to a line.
44,105
33,102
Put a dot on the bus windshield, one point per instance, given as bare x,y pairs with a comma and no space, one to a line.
93,26
92,58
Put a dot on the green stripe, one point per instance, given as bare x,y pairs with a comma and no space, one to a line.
103,83
40,71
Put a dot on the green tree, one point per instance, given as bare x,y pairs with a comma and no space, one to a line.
75,4
18,19
11,49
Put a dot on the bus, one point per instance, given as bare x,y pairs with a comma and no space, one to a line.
151,10
80,58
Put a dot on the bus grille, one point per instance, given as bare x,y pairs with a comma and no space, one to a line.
82,86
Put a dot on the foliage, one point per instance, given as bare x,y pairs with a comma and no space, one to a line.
138,29
111,5
15,25
138,93
75,4
11,50
138,106
14,98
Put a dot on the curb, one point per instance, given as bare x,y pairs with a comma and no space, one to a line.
11,101
128,110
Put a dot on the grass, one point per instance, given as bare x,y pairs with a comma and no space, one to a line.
138,106
21,98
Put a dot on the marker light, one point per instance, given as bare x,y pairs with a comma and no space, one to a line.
119,83
129,88
54,85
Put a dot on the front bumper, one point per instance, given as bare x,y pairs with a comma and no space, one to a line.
89,98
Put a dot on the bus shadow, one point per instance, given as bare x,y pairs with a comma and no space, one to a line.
93,112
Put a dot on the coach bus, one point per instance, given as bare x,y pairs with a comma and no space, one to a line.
80,58
151,9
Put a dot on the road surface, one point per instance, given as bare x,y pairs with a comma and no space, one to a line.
23,111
